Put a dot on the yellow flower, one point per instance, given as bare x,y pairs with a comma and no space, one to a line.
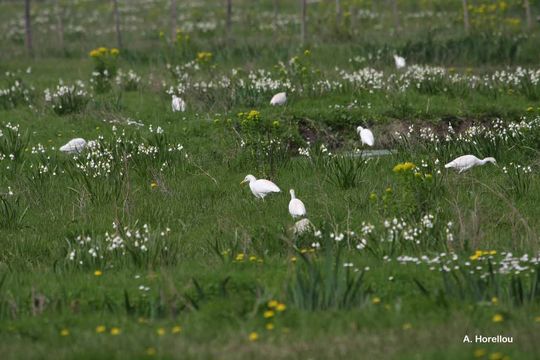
240,257
281,307
64,332
253,115
252,258
275,123
94,53
160,331
115,52
151,351
115,331
272,304
154,184
176,329
495,356
497,318
204,56
407,326
102,50
478,353
268,314
269,326
530,108
98,273
372,196
253,336
376,300
403,167
293,259
100,329
307,52
161,34
494,300
388,190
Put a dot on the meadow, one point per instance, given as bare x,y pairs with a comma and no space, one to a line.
145,245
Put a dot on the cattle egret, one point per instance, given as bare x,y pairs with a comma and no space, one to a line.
400,62
261,187
178,105
296,206
465,162
74,146
366,136
302,226
279,99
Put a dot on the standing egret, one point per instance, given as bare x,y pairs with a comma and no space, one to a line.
400,62
465,162
296,206
74,146
279,99
261,187
178,105
366,136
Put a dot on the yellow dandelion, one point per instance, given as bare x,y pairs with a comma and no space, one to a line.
115,331
161,331
495,356
494,300
100,329
240,257
293,259
478,353
176,329
372,196
153,184
115,52
530,108
497,318
272,304
102,50
94,53
281,307
269,326
376,300
253,336
64,332
98,273
252,258
268,314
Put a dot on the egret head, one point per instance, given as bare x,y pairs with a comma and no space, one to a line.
358,129
292,194
491,160
248,178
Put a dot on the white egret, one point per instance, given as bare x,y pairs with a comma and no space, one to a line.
366,136
302,226
279,99
178,105
400,62
74,146
261,187
296,206
465,162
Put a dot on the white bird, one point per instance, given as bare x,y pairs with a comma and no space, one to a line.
400,62
465,162
302,226
178,105
366,136
74,146
279,99
261,187
296,206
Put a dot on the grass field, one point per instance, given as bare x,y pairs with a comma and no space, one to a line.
145,245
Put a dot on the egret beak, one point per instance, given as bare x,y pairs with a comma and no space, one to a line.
242,182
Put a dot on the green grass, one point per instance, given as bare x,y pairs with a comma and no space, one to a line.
204,287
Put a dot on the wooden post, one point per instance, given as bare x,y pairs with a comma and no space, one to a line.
395,13
174,17
339,12
229,19
528,15
60,24
28,29
276,11
117,24
303,22
466,25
